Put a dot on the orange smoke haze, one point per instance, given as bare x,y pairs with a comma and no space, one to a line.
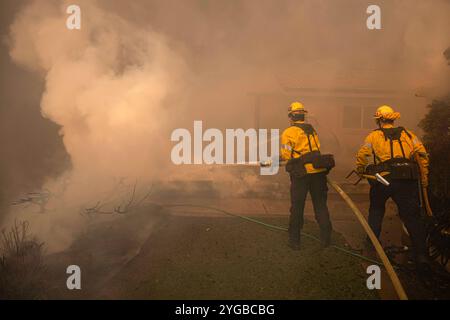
137,70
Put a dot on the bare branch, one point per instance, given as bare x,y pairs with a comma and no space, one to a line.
131,204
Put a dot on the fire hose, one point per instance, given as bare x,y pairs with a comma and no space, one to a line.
271,226
387,264
379,249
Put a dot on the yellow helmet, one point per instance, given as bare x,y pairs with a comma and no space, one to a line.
387,113
297,107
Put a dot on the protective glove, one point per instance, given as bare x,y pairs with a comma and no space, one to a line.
360,170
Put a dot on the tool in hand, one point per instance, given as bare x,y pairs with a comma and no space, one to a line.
377,177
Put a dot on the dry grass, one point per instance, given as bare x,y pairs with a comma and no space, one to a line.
21,263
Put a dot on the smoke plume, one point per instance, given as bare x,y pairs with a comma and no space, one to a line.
138,69
107,86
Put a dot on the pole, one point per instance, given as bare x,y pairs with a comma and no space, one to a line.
423,191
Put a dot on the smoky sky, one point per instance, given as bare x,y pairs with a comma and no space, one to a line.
31,147
101,102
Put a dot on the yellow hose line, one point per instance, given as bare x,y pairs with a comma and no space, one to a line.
390,270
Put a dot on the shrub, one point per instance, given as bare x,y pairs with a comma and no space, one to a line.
21,264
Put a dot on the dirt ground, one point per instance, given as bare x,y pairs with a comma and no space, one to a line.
194,252
189,257
224,258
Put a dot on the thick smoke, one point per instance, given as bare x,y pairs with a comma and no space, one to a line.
107,86
136,70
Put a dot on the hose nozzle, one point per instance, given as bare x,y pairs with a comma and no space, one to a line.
382,180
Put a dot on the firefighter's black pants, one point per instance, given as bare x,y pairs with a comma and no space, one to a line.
405,194
316,184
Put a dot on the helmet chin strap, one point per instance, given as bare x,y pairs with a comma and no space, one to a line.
297,117
380,122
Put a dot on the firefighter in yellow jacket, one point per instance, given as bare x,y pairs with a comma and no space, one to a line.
299,142
392,153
